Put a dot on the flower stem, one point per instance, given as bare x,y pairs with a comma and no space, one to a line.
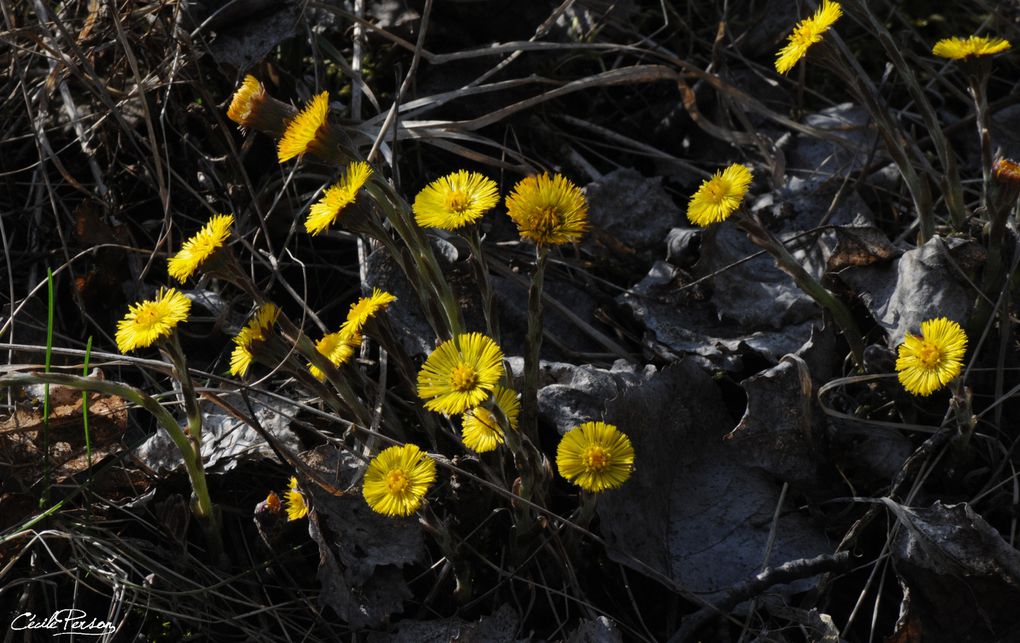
203,508
397,213
482,275
788,264
978,82
529,399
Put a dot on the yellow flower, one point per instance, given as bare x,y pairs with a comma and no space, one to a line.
481,431
248,94
927,363
337,197
548,209
297,508
150,320
256,330
455,200
200,247
807,32
719,196
595,456
364,309
974,46
338,348
460,373
397,479
302,131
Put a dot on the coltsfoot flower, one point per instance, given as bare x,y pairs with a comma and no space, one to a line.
807,32
460,373
326,210
548,210
719,196
927,363
198,249
365,309
971,47
305,129
150,320
338,348
595,456
397,479
1006,170
252,107
245,100
273,502
455,200
256,330
480,429
297,508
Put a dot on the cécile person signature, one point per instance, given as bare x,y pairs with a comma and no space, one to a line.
63,621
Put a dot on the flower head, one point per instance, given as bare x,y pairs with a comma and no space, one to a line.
927,363
972,47
455,200
338,348
365,309
297,508
200,247
595,456
273,502
304,129
460,373
256,330
548,209
807,32
719,196
337,197
1006,170
397,479
253,107
245,98
150,320
480,430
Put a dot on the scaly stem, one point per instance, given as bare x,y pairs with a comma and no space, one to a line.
978,80
529,400
429,272
175,355
207,514
485,287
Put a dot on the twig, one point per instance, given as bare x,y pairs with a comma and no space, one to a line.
785,573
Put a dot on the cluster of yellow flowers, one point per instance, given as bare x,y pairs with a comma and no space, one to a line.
465,374
809,31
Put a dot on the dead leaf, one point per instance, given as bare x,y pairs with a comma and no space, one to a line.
226,441
704,517
860,246
678,321
629,209
963,578
920,285
782,430
22,439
